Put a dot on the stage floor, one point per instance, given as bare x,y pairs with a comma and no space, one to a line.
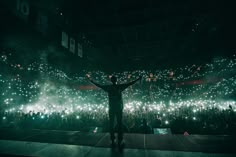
72,143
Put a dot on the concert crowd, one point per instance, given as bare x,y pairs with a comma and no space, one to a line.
197,98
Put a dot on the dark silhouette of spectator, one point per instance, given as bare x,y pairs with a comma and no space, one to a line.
135,126
156,123
115,104
145,128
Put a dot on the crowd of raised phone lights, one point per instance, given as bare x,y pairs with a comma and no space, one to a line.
41,88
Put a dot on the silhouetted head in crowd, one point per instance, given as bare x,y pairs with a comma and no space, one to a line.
144,122
113,79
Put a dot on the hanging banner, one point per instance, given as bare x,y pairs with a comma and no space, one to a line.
64,39
72,45
42,23
80,50
23,9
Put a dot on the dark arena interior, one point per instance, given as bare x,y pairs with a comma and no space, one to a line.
172,64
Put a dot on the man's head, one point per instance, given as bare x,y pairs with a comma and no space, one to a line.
113,79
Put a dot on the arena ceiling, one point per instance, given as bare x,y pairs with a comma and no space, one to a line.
145,32
126,34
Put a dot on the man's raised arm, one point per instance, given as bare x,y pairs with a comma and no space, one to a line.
130,83
96,84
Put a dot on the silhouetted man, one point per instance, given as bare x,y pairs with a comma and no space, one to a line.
115,105
145,128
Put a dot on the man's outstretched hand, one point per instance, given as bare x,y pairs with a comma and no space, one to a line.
89,77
